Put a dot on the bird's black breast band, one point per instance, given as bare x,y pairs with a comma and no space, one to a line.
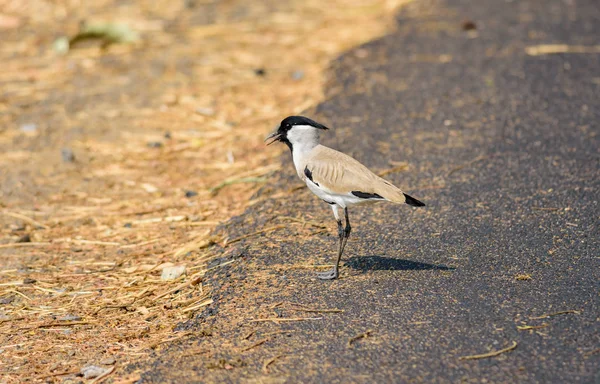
308,174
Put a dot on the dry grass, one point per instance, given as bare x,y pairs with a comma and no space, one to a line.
84,282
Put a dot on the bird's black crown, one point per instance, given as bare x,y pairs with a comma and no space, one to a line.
290,121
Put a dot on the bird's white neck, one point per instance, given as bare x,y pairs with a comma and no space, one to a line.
303,139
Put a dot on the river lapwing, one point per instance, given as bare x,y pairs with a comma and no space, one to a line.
334,177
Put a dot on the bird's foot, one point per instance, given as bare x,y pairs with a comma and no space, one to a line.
332,274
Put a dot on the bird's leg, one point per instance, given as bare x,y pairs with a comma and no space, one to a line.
347,231
333,273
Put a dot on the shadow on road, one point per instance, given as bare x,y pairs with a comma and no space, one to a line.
370,263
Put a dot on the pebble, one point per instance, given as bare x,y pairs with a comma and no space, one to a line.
191,193
67,155
260,72
108,360
154,144
69,318
171,273
205,111
28,128
92,371
29,280
24,239
468,25
128,225
297,75
6,300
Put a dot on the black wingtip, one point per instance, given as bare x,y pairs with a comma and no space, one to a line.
412,201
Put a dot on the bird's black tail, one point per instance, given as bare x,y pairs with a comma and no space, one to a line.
412,201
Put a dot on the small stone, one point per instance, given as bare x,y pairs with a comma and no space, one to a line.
448,123
191,193
172,273
205,111
61,45
468,25
29,280
168,135
28,128
108,360
154,144
92,371
67,155
260,72
69,318
7,300
195,218
297,75
149,188
128,225
24,239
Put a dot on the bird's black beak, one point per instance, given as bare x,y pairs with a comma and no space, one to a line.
273,135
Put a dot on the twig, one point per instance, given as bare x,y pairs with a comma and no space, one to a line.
130,379
201,243
58,374
65,324
269,229
203,304
194,353
530,327
19,245
13,319
357,337
215,190
490,354
265,367
279,332
220,265
159,342
302,221
18,293
260,342
194,280
334,310
249,334
397,168
548,49
592,352
94,242
556,314
475,160
545,208
285,319
26,219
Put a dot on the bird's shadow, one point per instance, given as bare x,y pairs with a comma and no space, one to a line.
382,263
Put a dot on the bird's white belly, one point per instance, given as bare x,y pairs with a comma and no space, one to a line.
330,197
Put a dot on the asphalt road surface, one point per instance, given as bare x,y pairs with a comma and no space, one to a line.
498,134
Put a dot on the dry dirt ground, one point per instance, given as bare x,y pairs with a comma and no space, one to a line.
488,112
118,159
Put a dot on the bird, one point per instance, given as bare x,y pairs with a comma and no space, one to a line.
336,178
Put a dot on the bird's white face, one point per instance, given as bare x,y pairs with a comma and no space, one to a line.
303,136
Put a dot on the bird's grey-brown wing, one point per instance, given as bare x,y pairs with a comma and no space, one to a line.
341,174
